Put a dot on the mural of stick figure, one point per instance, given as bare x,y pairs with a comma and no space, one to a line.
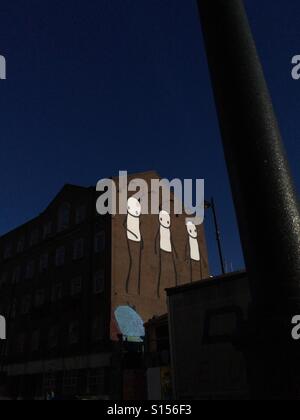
132,225
193,253
164,245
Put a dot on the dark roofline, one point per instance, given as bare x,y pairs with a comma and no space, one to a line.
157,320
206,282
138,174
65,187
30,221
70,186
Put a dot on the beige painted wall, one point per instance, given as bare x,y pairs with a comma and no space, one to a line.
147,303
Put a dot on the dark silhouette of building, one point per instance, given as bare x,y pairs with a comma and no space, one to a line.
54,294
62,276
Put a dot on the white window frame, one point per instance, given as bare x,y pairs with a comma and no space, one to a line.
55,296
35,341
20,245
99,242
34,237
26,305
30,270
100,274
44,262
78,249
60,256
80,214
39,298
16,276
75,288
47,230
64,217
7,251
74,327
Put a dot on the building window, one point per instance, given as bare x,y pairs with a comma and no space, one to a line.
16,275
57,292
99,242
98,329
49,382
8,346
78,249
21,343
35,341
20,245
70,382
60,256
74,333
3,279
44,259
99,281
39,298
29,270
97,381
7,251
2,308
34,237
26,302
13,313
76,286
80,214
53,338
47,230
64,217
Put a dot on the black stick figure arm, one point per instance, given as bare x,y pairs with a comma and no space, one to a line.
156,242
142,239
142,243
132,233
128,230
173,246
187,250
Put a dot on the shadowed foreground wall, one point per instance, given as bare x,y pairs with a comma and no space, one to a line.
206,362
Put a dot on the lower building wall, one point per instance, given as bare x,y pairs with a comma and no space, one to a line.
159,383
87,377
134,385
74,384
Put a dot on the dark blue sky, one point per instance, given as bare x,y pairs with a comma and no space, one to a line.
95,86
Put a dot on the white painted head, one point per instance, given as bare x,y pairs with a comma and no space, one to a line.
165,219
192,230
134,207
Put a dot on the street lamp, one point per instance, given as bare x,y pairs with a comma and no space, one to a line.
211,205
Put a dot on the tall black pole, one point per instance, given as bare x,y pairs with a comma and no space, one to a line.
264,195
218,235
